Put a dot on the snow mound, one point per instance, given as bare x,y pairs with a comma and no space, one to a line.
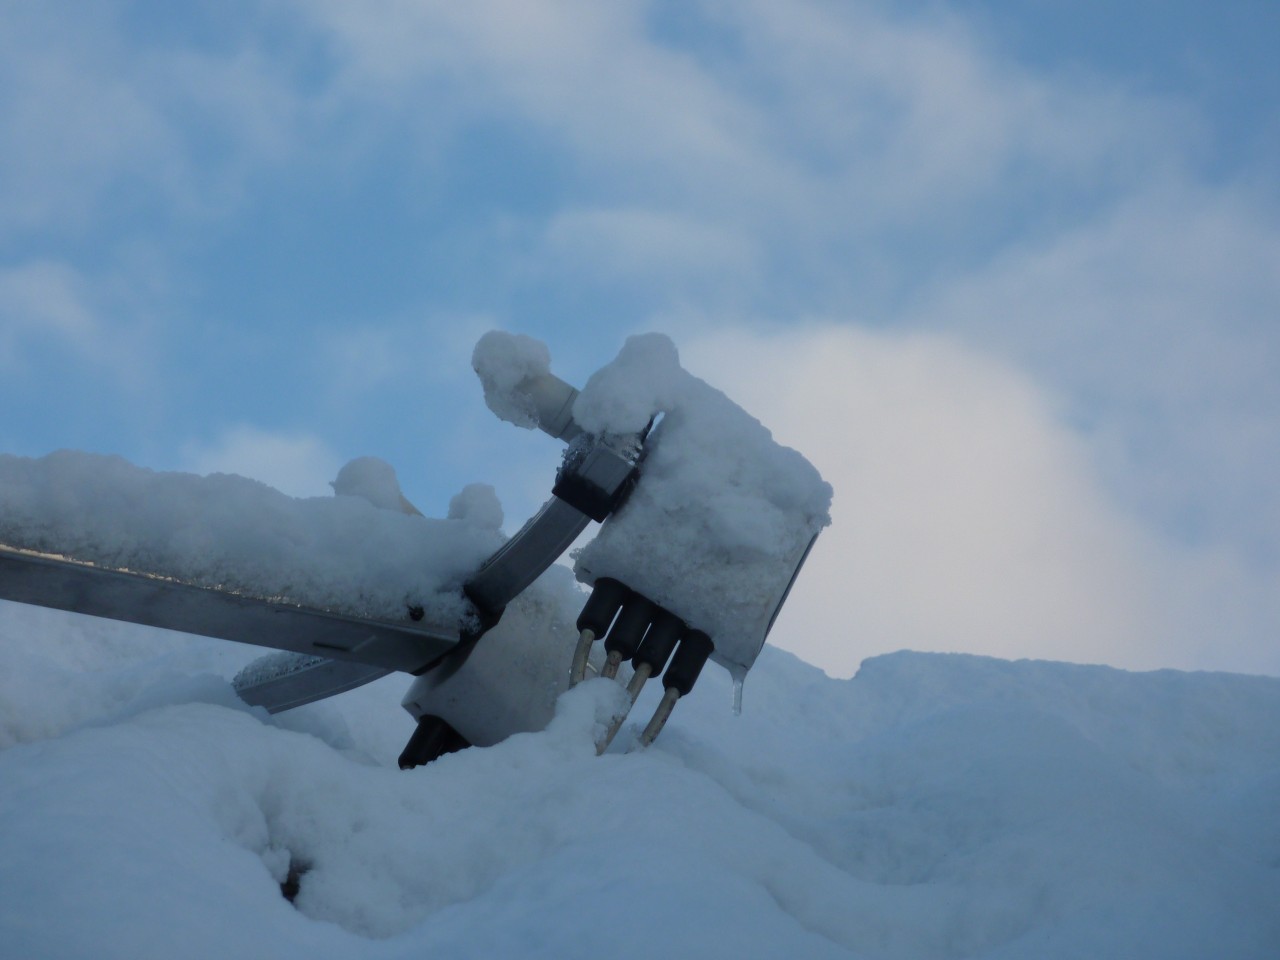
934,806
373,480
477,503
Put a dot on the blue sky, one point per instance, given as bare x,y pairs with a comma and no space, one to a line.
1010,275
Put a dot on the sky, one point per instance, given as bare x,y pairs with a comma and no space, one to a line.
1009,276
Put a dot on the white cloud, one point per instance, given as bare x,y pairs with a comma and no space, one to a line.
812,147
904,113
296,464
91,112
71,126
584,71
49,307
426,357
44,299
1159,320
641,244
811,124
968,518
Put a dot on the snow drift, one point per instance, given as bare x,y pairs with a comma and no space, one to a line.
933,806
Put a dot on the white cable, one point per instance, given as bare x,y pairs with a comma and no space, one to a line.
642,674
578,668
611,664
633,692
667,704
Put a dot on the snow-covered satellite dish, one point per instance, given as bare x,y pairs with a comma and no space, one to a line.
704,520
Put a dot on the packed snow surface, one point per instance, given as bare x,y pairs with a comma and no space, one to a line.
363,552
935,806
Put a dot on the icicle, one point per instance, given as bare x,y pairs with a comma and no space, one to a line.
739,674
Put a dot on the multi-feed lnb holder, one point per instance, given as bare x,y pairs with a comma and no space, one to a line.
593,483
481,680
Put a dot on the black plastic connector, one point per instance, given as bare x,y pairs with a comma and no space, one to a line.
691,656
594,477
431,740
629,629
602,606
658,643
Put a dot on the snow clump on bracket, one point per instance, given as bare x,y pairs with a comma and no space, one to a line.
503,361
477,503
341,554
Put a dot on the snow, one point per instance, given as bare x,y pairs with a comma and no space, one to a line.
504,361
341,553
934,806
939,806
374,481
722,515
477,503
646,378
272,666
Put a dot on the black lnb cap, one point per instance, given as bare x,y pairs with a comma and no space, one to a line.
601,607
659,642
690,657
629,629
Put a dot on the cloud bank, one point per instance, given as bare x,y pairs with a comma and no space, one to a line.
970,517
1056,282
